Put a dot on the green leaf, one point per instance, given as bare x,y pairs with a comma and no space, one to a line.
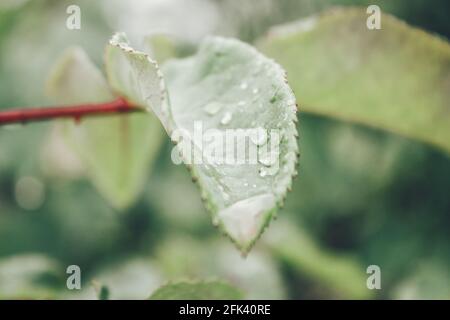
117,150
396,78
226,85
251,92
197,290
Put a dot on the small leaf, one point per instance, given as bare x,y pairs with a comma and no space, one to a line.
226,85
197,290
396,78
117,150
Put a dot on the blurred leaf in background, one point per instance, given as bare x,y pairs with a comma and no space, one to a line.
396,78
118,152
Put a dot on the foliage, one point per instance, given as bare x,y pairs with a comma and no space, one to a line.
354,72
117,151
374,171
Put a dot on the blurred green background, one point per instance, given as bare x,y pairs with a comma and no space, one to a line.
363,196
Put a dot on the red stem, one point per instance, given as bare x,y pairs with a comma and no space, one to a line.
76,112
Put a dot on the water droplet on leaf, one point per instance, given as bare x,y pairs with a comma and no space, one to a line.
212,108
226,119
266,160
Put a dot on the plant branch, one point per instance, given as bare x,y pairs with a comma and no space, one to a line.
76,112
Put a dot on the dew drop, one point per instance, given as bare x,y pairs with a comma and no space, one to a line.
241,103
244,85
175,138
255,91
266,160
268,171
262,172
212,108
226,119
